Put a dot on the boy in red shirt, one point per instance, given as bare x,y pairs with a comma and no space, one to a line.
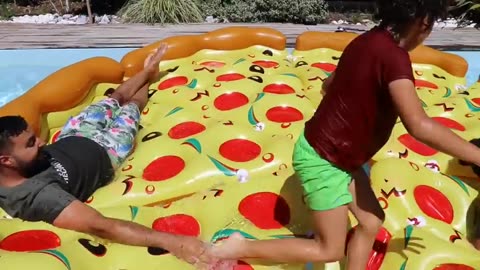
372,86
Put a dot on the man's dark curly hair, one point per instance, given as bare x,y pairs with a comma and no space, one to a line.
399,14
10,126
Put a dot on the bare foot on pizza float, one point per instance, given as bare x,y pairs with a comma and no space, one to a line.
152,62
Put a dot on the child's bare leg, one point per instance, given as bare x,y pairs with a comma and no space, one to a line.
326,192
129,88
370,216
331,228
328,245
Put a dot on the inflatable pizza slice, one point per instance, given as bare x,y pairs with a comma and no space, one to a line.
213,155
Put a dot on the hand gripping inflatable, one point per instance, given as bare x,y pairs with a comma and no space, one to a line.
213,155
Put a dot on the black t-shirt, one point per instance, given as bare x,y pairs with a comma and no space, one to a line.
78,167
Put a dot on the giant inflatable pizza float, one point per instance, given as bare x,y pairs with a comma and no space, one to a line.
213,155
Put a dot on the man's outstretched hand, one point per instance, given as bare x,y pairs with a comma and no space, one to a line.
201,255
190,249
83,218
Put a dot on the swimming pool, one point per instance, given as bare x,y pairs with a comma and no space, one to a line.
22,69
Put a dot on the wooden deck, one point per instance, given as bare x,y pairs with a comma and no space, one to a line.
34,36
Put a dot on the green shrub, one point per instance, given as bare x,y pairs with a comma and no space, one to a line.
161,11
282,11
467,11
6,12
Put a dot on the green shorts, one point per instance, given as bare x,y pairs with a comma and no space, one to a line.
325,186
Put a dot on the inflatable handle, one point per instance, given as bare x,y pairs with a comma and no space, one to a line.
230,38
451,63
63,89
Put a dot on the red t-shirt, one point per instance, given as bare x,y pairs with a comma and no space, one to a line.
357,115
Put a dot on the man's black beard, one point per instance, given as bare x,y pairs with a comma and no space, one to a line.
36,166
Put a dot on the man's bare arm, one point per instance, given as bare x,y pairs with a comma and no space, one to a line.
82,218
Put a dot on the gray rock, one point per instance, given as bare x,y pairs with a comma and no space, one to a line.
114,19
64,19
82,19
65,22
209,19
104,20
45,18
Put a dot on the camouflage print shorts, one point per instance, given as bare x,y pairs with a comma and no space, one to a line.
106,122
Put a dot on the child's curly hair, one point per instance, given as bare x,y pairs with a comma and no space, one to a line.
399,14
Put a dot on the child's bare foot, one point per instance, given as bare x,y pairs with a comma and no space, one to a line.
152,62
232,248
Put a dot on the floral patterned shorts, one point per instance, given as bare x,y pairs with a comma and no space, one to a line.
112,126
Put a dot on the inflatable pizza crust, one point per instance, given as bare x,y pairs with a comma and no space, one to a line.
213,155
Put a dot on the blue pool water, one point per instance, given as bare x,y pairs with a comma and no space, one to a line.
473,59
22,69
